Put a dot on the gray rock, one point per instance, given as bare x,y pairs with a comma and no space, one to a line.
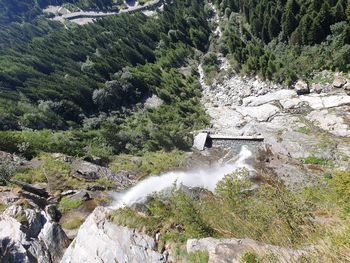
330,122
99,240
8,197
347,88
318,102
301,87
339,82
29,235
231,250
269,97
317,88
81,195
292,103
90,172
33,189
261,113
153,102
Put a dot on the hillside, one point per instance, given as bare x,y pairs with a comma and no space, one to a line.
97,123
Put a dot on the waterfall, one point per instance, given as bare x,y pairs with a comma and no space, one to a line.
205,178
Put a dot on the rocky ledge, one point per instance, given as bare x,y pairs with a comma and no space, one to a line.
99,240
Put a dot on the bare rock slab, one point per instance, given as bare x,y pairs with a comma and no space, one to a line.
231,250
99,240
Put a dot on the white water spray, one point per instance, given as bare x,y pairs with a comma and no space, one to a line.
207,178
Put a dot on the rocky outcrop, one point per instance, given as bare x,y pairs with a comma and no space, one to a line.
153,102
339,82
294,125
99,240
301,87
29,233
231,250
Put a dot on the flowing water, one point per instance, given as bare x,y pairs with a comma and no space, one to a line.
205,178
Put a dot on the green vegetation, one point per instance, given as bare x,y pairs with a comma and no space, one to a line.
316,160
284,40
73,223
86,90
305,130
151,163
56,173
271,214
2,207
67,204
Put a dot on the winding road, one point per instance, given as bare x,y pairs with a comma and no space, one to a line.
83,17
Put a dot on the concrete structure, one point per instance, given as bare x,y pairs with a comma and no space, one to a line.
205,139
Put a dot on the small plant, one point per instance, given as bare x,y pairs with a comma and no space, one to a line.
305,130
316,160
249,257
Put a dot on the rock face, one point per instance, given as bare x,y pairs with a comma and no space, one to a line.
259,113
329,121
31,234
231,250
293,123
99,240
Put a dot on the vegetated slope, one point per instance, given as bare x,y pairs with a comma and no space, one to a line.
28,10
98,73
283,40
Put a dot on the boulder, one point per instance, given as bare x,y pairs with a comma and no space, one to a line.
232,250
261,113
347,88
81,195
153,102
30,235
292,103
99,240
33,189
339,82
269,97
317,88
90,172
301,87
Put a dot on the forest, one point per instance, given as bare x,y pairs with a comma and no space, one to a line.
95,77
283,40
71,86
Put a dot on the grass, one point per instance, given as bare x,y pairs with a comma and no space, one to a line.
305,130
67,204
316,160
317,216
2,207
56,173
151,163
73,223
